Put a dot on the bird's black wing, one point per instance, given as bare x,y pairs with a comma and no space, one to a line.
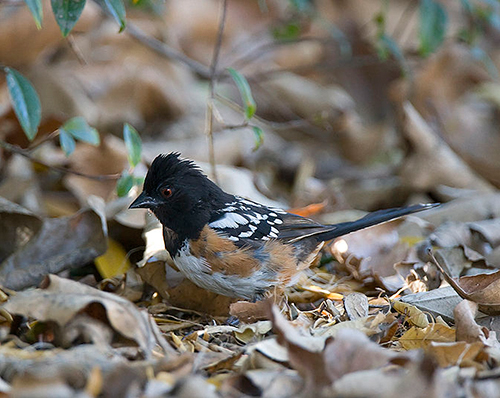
245,221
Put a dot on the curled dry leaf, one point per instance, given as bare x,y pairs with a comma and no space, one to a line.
42,246
414,316
467,328
483,289
60,300
304,352
317,359
356,305
19,225
370,254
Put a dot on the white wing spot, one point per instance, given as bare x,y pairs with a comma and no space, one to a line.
246,234
278,221
248,202
273,214
230,220
274,230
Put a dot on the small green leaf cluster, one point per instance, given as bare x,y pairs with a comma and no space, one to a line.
26,105
67,12
249,105
133,144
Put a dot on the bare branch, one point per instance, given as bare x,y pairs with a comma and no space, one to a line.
213,74
26,153
167,51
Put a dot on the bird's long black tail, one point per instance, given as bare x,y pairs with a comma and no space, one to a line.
370,219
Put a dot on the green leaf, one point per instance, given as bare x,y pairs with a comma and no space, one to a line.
68,143
124,184
386,47
36,9
79,129
25,102
259,137
67,13
433,21
245,92
133,144
117,10
289,31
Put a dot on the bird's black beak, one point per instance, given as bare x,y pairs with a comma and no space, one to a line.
143,201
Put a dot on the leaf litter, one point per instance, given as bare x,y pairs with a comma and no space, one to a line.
375,317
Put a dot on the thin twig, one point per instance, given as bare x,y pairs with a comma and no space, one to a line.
26,153
41,141
213,72
76,50
274,125
254,54
167,51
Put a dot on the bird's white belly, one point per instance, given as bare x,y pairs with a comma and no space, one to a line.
199,272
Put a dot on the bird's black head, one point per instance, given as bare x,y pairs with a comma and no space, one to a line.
180,195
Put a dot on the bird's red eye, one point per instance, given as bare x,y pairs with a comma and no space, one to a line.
166,192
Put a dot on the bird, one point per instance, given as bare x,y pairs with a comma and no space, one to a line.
231,245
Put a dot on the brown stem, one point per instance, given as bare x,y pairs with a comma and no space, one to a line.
167,51
213,72
26,153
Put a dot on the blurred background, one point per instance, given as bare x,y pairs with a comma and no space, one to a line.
366,104
356,105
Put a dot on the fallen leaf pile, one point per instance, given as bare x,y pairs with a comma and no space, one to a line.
354,111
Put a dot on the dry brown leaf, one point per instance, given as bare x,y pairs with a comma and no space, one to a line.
280,383
250,312
370,325
454,354
108,158
477,207
356,306
421,338
21,42
467,329
420,170
414,316
61,300
358,352
179,291
483,289
370,254
304,352
46,246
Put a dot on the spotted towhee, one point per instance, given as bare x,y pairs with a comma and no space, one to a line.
231,245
